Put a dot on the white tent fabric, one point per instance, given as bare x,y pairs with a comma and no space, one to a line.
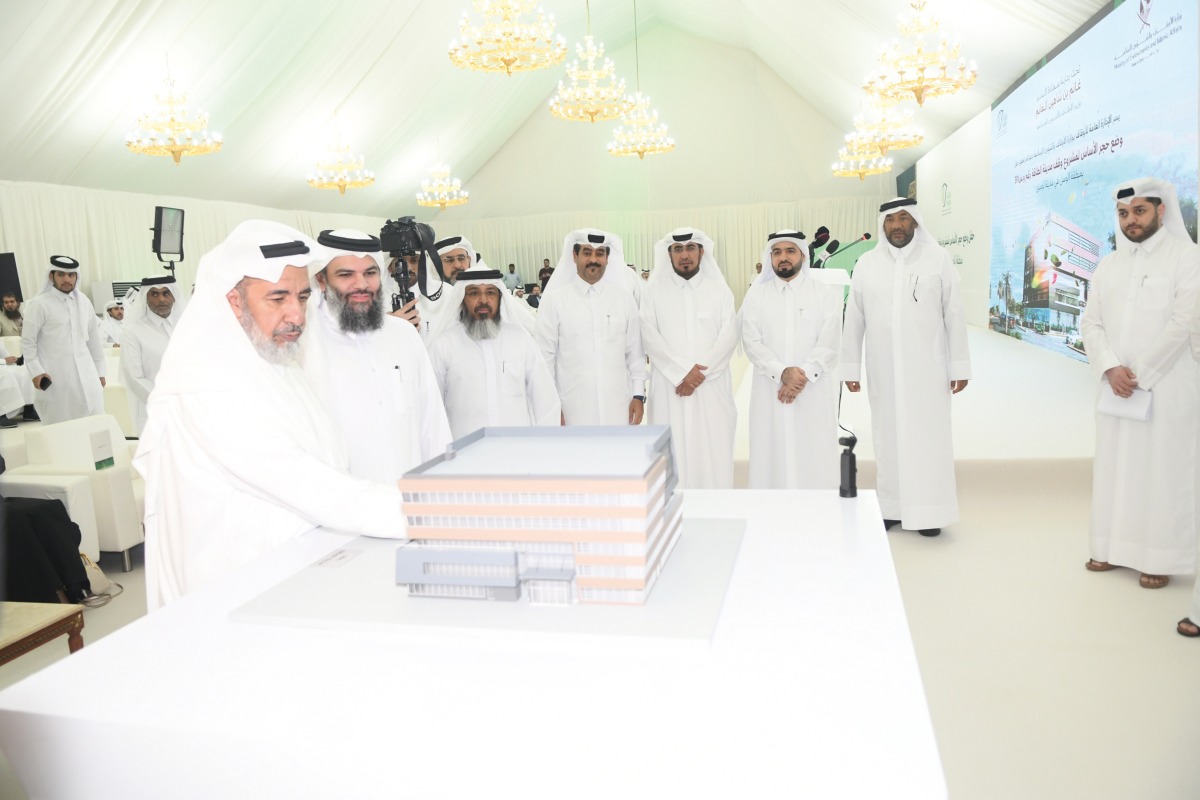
74,77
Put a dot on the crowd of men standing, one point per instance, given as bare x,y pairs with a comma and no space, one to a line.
266,413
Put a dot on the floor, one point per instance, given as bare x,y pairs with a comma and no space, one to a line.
1043,680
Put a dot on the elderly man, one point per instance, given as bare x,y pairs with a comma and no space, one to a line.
112,324
792,334
238,454
488,367
457,254
62,347
904,300
1136,330
151,322
689,331
589,333
11,320
369,368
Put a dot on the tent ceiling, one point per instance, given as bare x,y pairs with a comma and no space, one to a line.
273,73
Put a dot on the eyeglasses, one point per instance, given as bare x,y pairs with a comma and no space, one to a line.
690,247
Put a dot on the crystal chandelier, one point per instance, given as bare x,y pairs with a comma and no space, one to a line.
594,93
170,129
884,129
441,191
339,169
640,133
503,43
859,161
918,72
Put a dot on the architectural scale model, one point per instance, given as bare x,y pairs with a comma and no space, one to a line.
557,515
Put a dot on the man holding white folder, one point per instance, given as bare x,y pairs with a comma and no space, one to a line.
1136,330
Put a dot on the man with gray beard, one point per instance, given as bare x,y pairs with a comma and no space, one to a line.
370,368
238,454
488,368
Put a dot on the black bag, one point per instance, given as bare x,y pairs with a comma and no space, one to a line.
42,553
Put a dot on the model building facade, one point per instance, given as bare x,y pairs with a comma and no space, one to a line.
554,515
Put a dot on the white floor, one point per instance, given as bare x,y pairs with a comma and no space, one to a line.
1044,680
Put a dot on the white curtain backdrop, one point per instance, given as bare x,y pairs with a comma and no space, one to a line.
109,232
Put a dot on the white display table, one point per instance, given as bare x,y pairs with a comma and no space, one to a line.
807,687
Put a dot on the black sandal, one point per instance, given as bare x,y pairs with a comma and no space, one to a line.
1187,621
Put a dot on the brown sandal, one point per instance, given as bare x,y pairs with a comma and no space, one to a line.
1182,631
1098,566
1153,581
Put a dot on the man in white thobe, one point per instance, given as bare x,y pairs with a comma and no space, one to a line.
589,333
792,334
151,322
689,331
238,454
905,302
112,324
489,369
1136,331
370,369
62,347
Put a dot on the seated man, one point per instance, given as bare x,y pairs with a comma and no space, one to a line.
238,454
369,368
151,322
487,365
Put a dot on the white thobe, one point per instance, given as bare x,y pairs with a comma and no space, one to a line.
111,330
909,311
796,323
500,381
382,397
684,323
141,356
53,342
591,339
1144,478
228,480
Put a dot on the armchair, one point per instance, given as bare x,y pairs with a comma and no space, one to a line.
118,492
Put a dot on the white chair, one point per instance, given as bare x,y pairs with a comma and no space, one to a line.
75,492
76,447
116,403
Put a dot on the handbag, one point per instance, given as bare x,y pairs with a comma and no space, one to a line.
102,589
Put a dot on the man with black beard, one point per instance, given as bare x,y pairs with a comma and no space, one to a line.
11,321
369,368
488,368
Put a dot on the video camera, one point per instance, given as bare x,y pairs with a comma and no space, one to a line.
407,237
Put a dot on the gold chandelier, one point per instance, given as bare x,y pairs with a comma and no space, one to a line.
594,93
503,43
919,72
339,169
884,129
859,161
640,133
170,129
441,191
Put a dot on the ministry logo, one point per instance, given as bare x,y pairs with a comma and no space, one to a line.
1001,122
947,200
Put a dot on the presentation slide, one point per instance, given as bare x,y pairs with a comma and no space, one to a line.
1116,103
